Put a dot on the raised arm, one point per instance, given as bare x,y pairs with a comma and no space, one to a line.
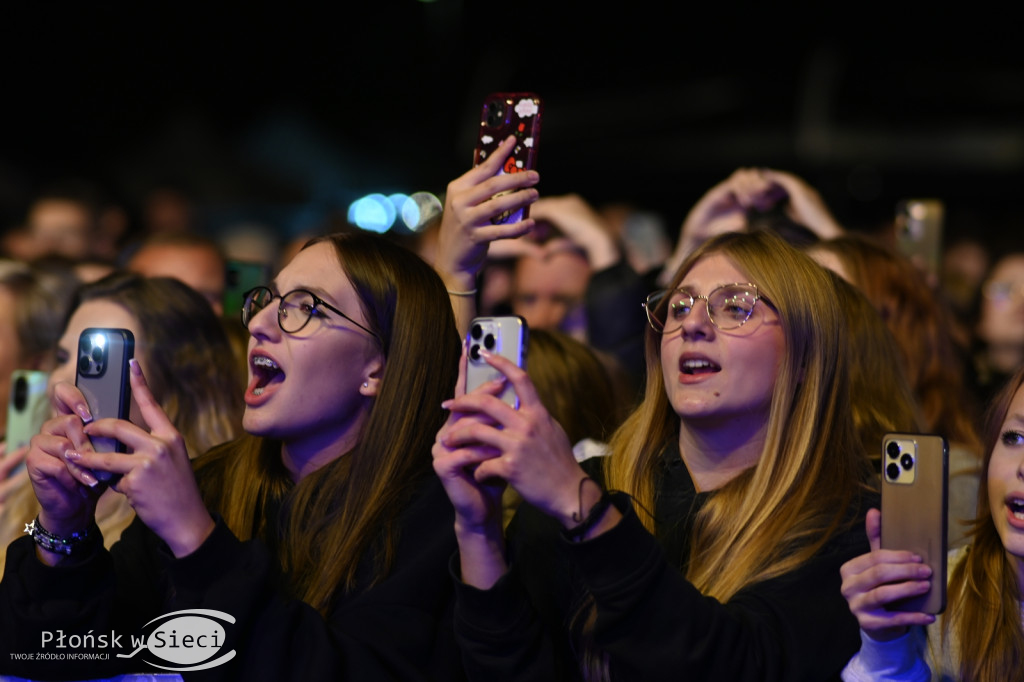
472,201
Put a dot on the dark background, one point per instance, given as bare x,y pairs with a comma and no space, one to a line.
285,114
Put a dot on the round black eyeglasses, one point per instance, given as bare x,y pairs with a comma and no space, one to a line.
296,309
729,306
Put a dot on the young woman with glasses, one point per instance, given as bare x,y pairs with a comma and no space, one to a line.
323,532
742,486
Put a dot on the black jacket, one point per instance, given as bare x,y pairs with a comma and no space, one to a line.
398,629
651,622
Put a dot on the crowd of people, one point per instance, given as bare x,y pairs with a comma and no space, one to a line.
689,487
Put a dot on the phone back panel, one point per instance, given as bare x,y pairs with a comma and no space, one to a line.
27,408
505,336
914,508
919,232
504,114
102,377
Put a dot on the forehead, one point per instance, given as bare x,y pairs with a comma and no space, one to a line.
712,271
318,269
1017,404
563,271
1009,268
100,313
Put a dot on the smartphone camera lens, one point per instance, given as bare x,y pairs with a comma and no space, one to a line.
892,471
477,331
474,352
906,461
893,449
495,114
489,342
20,393
84,364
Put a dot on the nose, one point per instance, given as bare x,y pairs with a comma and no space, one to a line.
698,321
544,315
264,323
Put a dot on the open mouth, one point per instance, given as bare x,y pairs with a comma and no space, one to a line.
1016,505
694,366
264,371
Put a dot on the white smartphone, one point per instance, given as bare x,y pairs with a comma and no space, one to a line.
915,475
102,377
506,336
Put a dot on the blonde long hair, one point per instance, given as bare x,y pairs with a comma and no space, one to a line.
984,593
811,472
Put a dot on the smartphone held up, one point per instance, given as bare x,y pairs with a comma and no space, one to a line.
102,377
919,234
915,471
510,114
505,336
28,407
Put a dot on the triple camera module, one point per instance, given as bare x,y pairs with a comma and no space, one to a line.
480,337
900,458
92,355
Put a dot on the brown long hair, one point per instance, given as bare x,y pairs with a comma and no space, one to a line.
983,612
920,323
346,511
192,368
811,471
881,399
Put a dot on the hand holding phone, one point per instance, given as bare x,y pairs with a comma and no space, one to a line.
506,336
505,114
102,377
915,471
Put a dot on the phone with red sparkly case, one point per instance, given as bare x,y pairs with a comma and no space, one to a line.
915,474
505,114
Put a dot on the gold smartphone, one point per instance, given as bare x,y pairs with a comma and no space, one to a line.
915,475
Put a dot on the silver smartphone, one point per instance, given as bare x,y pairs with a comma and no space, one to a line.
915,475
919,233
506,336
102,377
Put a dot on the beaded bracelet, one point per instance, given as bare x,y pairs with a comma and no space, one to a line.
56,543
577,532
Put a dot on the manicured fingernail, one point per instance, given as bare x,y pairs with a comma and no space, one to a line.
446,404
134,365
88,478
72,456
83,412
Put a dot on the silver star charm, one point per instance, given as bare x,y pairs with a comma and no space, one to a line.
30,527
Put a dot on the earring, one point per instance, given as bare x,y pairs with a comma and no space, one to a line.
366,384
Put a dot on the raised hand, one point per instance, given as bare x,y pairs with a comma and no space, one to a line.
525,447
873,580
156,477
